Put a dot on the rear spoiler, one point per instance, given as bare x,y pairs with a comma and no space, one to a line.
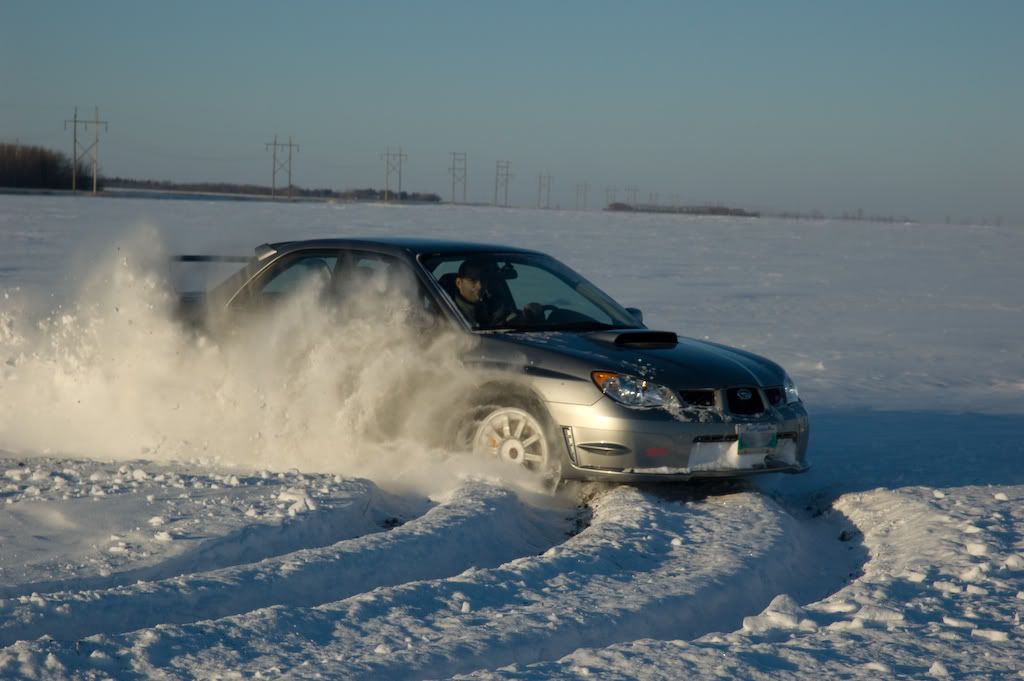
263,252
210,258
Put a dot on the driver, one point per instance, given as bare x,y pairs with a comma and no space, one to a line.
470,297
469,290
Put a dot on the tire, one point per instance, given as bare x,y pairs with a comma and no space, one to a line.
516,434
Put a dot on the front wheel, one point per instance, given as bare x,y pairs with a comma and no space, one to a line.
517,437
513,436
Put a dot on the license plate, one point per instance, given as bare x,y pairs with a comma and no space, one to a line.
757,438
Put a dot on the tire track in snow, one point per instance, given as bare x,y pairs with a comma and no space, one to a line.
345,510
951,611
477,522
645,567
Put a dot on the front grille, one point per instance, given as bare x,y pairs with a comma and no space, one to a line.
701,439
698,398
732,437
744,401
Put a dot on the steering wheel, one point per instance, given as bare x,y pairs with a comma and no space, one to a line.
535,312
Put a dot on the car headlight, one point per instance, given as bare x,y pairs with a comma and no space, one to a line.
792,394
635,392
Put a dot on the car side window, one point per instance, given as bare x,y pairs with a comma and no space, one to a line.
303,272
379,282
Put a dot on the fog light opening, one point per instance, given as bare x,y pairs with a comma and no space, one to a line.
570,443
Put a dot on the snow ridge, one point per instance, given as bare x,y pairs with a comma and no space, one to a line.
893,620
491,519
634,572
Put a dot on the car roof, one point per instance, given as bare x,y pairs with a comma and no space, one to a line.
410,245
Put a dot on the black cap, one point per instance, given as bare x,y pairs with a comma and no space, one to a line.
473,268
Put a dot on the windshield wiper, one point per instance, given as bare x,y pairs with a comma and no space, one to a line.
585,326
564,326
507,327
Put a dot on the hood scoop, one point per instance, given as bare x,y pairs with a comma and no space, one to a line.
638,339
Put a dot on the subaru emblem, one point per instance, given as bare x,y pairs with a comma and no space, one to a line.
744,394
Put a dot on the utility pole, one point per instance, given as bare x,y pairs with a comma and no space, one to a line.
80,152
278,166
501,178
392,166
609,195
544,190
458,172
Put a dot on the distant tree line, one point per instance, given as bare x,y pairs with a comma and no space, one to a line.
29,167
716,209
194,187
378,195
858,216
262,190
682,210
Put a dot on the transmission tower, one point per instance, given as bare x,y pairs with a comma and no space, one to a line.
392,166
544,190
581,195
283,164
458,172
501,178
80,151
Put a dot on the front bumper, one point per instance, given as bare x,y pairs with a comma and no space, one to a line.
606,441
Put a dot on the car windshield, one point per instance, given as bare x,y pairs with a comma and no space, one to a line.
524,292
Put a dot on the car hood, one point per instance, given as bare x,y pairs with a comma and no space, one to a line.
659,356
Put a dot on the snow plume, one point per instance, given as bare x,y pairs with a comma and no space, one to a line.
364,392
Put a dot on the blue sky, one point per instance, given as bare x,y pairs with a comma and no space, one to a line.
906,108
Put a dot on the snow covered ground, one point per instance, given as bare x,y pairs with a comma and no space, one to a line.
174,508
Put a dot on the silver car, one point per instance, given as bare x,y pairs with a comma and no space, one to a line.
576,386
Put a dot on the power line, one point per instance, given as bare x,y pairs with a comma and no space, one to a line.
79,151
458,172
278,166
392,165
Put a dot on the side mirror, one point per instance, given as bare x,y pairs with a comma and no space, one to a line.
637,314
